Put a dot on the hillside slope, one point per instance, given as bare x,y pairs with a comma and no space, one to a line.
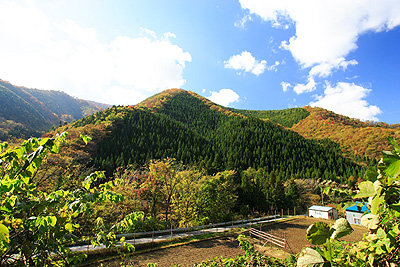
30,112
356,138
286,117
192,129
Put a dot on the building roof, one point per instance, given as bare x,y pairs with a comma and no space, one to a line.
320,208
356,208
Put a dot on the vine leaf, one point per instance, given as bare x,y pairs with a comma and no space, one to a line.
318,233
4,234
393,142
371,221
341,228
310,257
367,189
392,161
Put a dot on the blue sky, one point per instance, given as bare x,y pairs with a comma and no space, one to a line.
249,54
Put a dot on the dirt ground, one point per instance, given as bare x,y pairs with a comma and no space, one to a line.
294,231
187,255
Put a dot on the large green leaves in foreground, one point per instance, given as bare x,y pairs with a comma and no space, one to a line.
35,226
381,247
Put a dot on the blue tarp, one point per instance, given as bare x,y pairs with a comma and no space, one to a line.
356,208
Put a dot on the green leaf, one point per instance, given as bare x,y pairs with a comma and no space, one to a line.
375,202
341,228
395,207
367,189
3,146
392,162
52,220
86,138
318,233
4,234
381,233
393,142
310,257
44,141
25,178
371,174
69,227
12,200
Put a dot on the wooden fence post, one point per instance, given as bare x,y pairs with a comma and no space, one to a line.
152,239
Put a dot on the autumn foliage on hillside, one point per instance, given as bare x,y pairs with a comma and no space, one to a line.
156,101
357,138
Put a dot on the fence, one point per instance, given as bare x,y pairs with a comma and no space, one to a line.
278,241
232,224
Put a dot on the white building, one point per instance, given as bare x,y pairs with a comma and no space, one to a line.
354,213
323,212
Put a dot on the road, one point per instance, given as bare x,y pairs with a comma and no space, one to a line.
162,237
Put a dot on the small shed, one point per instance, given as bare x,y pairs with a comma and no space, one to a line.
323,212
355,212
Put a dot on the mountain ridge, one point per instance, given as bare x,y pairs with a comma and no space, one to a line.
357,139
220,139
26,112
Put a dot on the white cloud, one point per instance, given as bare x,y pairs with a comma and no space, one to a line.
285,86
241,24
323,70
326,30
224,97
347,99
62,55
247,63
149,32
274,66
305,88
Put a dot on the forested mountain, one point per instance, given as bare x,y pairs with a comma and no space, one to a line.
192,129
265,160
28,112
356,138
359,140
286,117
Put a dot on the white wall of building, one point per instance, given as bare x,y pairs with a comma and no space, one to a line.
354,217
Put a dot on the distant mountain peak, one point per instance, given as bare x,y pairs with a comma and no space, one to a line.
157,101
26,112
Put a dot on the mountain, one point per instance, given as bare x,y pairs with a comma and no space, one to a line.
286,117
28,112
360,141
356,138
183,125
